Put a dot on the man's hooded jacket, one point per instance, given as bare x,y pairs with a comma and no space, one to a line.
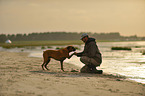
91,50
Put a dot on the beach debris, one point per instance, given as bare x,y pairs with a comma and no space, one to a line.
121,48
118,80
42,47
73,70
143,53
57,48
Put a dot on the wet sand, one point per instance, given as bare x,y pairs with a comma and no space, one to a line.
21,75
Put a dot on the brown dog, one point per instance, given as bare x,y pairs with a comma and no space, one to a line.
59,55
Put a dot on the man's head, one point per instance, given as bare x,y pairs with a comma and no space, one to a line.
84,37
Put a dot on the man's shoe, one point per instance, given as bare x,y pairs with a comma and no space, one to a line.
94,70
99,72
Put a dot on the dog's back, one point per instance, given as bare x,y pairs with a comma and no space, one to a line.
55,54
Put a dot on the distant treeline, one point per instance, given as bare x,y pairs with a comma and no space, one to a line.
113,36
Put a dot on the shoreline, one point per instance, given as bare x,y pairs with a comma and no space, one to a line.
67,61
22,75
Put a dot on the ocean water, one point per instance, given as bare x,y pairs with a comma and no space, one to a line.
127,63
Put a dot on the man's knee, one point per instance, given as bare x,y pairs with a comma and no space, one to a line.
87,61
84,59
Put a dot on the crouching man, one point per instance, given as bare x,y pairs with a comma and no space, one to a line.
90,56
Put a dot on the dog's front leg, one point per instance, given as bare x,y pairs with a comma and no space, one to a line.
61,62
71,55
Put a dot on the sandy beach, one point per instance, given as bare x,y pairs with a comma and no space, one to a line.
21,75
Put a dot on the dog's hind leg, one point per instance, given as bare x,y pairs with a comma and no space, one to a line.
47,63
43,65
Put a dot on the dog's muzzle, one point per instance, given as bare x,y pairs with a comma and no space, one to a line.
74,49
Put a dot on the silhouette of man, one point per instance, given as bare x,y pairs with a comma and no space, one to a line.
90,56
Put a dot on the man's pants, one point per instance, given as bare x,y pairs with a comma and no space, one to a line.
88,61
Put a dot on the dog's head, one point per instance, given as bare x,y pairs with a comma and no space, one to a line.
71,48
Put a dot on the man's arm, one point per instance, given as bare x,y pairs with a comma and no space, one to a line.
78,54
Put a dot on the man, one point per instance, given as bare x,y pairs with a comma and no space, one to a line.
91,55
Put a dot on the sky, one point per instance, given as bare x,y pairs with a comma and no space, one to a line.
26,16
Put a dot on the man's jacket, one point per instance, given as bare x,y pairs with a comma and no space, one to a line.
91,50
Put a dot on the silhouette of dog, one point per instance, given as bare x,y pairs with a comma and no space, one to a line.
59,55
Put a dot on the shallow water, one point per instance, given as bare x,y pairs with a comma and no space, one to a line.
127,63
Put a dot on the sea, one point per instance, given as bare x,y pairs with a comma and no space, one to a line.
128,63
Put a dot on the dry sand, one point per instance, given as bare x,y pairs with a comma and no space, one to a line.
21,75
